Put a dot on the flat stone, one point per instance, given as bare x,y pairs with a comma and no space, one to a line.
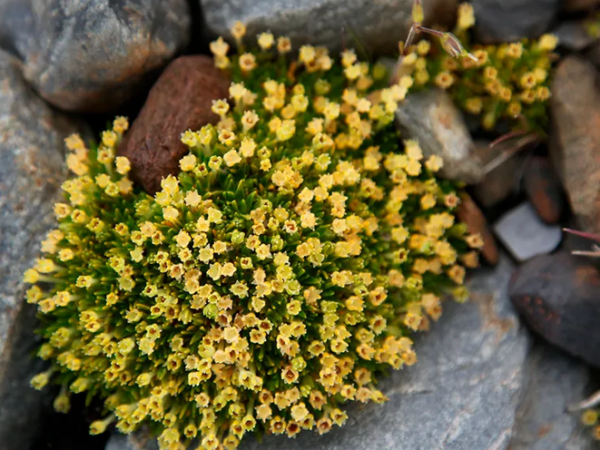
462,393
573,35
558,296
180,100
544,190
375,26
554,380
575,137
469,213
510,20
431,118
93,55
525,235
31,172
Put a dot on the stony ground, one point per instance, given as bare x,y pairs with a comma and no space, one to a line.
483,380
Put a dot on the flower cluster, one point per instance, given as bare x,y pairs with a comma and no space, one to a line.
499,82
267,283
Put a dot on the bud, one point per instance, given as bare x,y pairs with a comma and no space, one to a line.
417,12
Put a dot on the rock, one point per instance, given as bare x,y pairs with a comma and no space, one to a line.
510,20
525,235
31,172
500,182
470,214
371,25
180,100
558,295
431,118
91,56
554,380
573,35
593,54
580,5
575,140
544,190
140,440
461,394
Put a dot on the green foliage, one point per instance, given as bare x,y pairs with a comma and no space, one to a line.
507,82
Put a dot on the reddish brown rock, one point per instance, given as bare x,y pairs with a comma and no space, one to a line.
180,100
575,137
470,214
559,297
580,5
544,190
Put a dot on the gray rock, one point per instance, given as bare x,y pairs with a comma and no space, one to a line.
139,440
431,118
510,20
335,23
554,380
573,35
575,137
92,55
31,171
525,235
462,394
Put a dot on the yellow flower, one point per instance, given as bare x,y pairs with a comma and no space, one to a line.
231,158
444,80
548,42
238,30
219,47
466,16
247,62
307,54
284,45
266,40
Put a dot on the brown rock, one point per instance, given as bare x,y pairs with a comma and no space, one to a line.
559,297
580,5
470,214
180,100
575,143
502,180
544,189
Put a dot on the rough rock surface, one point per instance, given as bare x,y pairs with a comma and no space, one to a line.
180,100
31,171
470,214
558,297
91,55
373,25
544,189
575,140
431,118
511,20
554,381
